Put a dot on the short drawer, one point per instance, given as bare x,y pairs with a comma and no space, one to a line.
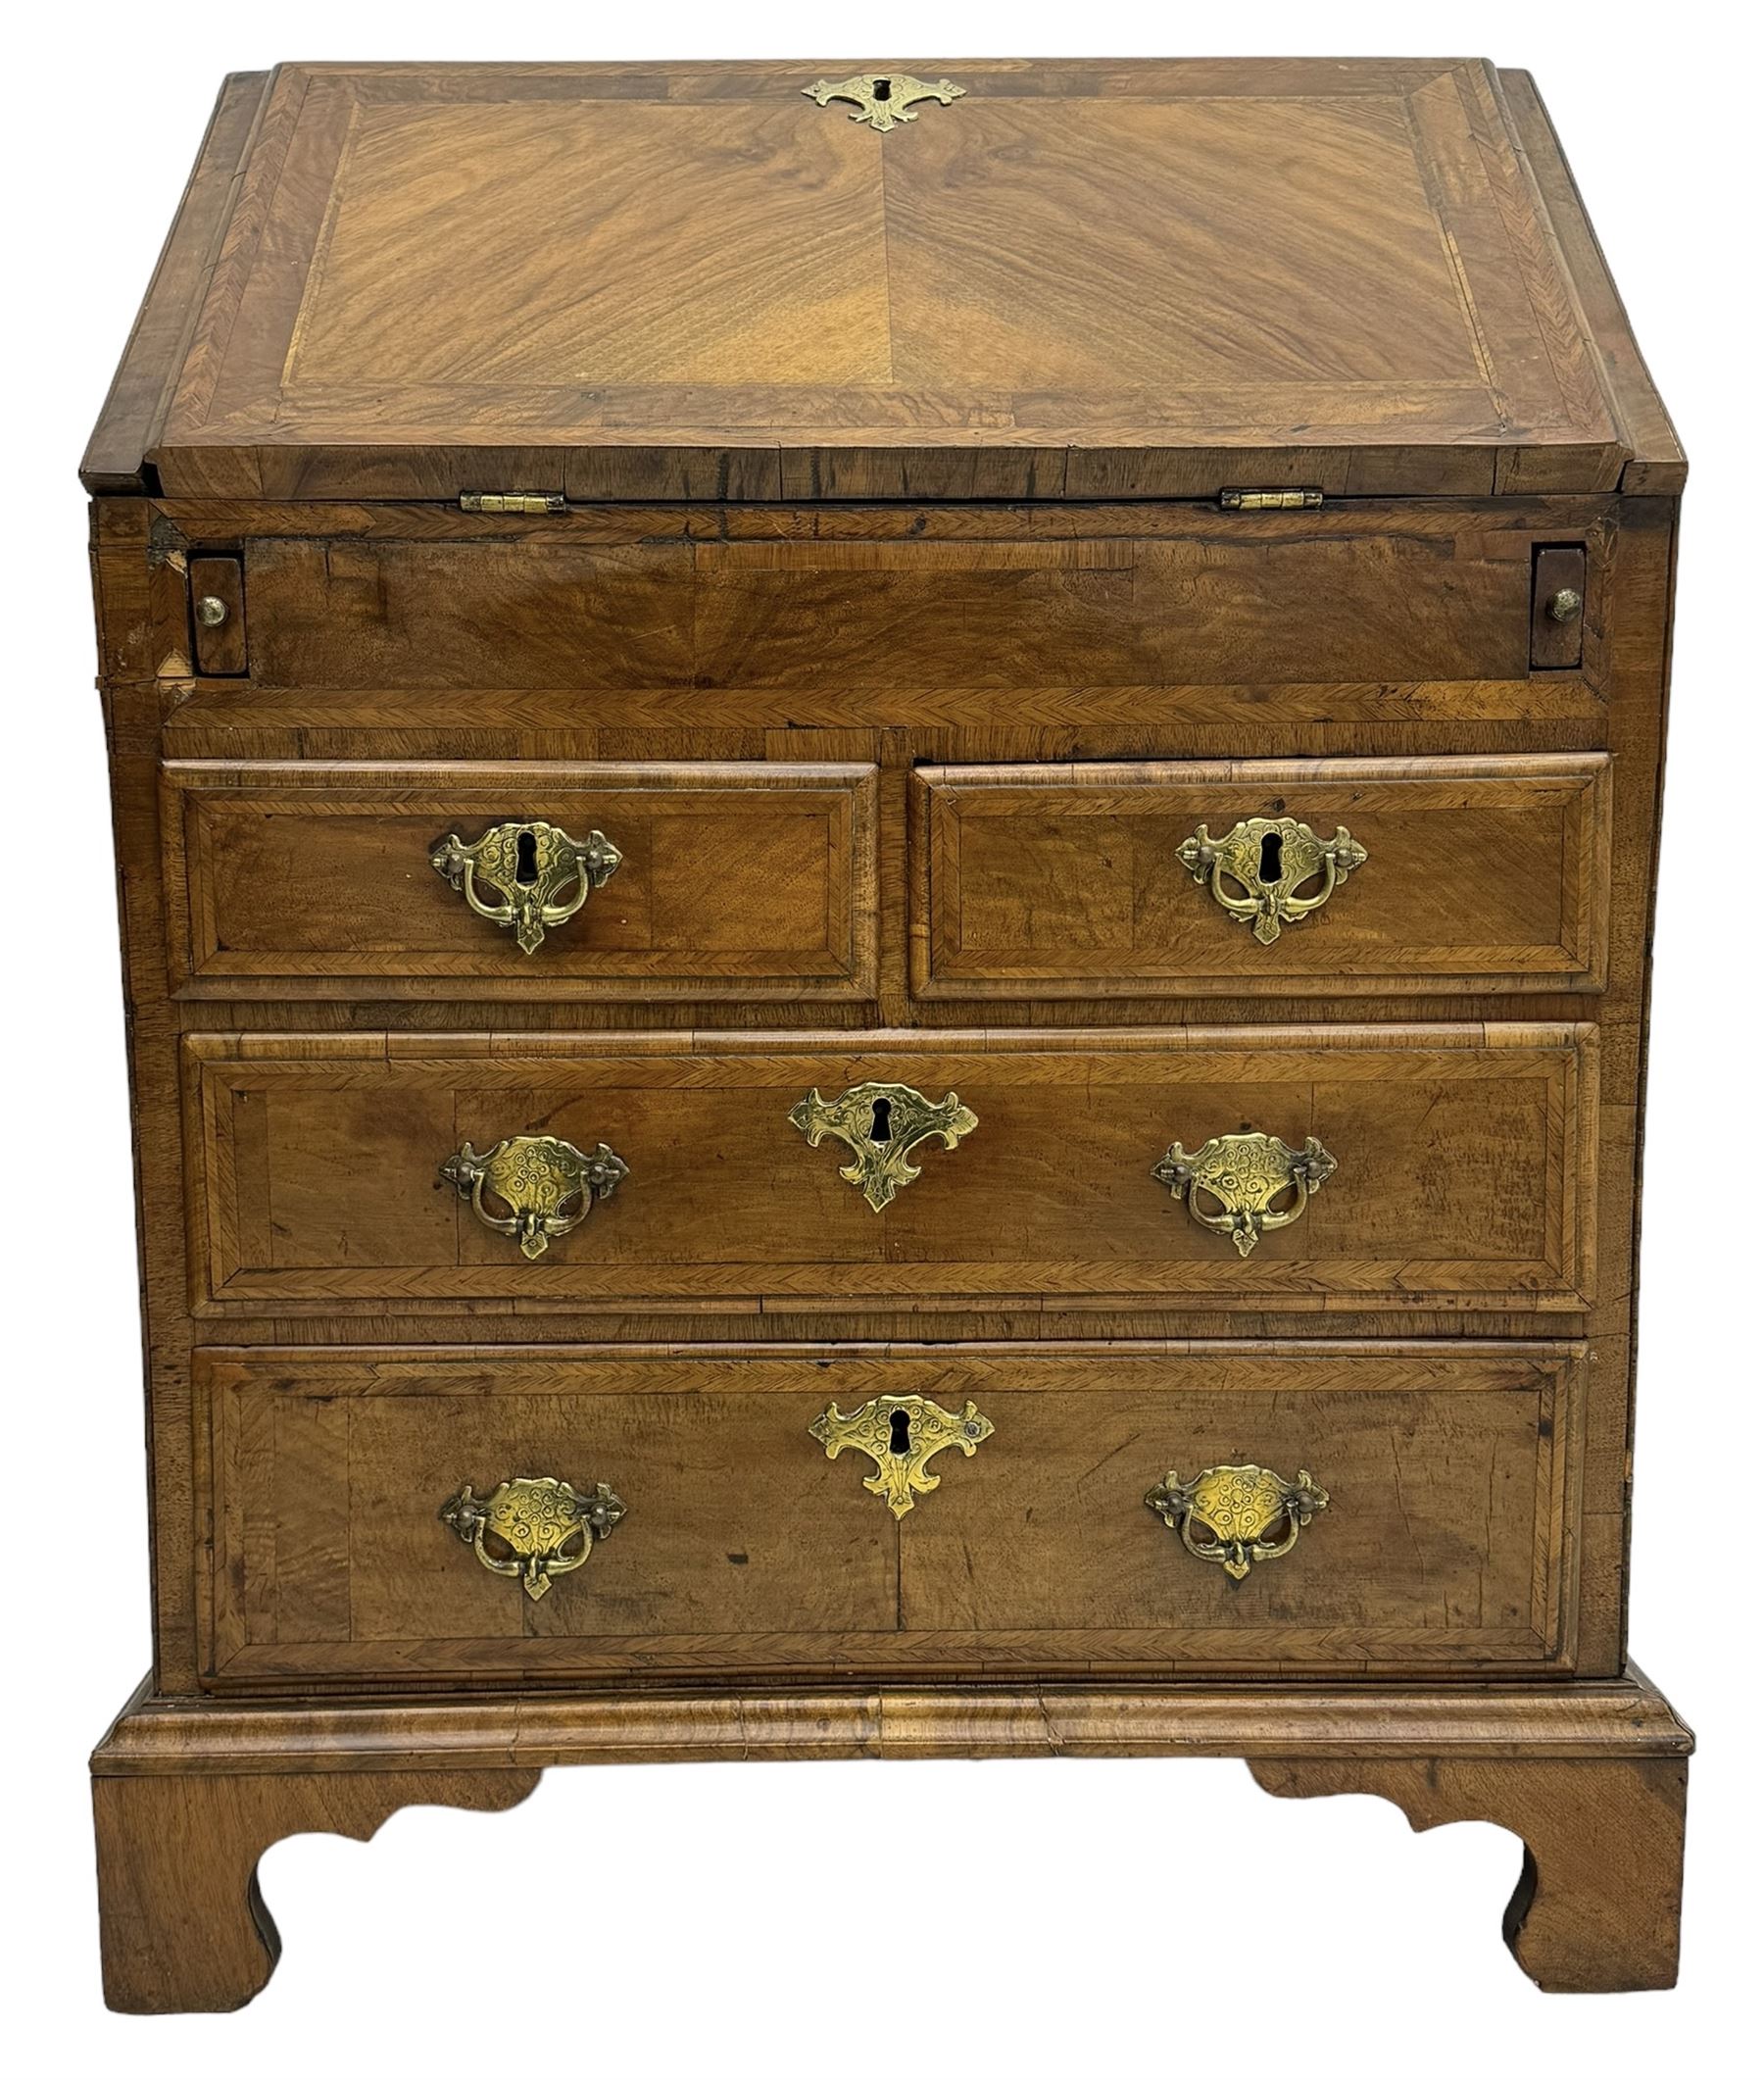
1293,1167
339,880
1233,878
388,1514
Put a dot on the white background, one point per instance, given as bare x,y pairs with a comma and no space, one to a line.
841,1919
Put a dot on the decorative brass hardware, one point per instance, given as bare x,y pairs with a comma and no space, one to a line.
1564,604
883,98
1236,1505
512,502
1243,1175
882,1124
1267,860
900,1432
547,1185
540,874
211,611
539,1522
1267,501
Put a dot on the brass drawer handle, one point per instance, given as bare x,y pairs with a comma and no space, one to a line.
900,1432
548,1186
1241,1176
537,875
1257,868
542,1528
881,1124
1237,1506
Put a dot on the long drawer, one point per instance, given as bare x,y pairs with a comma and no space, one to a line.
541,879
1254,1167
397,1515
1368,876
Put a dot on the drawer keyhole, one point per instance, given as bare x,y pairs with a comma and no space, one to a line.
882,89
1271,844
900,1433
526,859
879,1117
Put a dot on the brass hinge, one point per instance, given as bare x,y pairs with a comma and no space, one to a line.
512,502
1267,501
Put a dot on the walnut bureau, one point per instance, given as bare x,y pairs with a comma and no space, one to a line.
886,845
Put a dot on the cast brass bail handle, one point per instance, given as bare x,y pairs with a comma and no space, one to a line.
1226,1513
1267,871
1233,1183
544,1186
533,1530
530,878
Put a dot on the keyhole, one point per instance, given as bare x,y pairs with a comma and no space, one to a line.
1270,855
879,1112
883,90
900,1433
526,859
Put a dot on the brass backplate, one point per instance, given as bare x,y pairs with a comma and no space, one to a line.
884,99
1261,870
1235,1506
1241,1177
900,1432
882,1124
542,1527
536,876
546,1186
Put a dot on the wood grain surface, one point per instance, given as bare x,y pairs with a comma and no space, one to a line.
890,629
1036,291
1448,1542
1589,1775
1596,1906
1466,1166
312,877
1482,875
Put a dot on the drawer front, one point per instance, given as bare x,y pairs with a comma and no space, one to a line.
743,880
1433,1532
1462,1167
1416,592
1373,876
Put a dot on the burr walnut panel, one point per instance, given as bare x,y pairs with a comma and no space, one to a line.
1482,875
313,879
1446,1543
1464,1168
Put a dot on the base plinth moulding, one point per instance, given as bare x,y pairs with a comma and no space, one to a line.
188,1793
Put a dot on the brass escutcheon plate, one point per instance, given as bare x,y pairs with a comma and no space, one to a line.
900,1432
548,1186
884,99
542,1527
882,1124
1237,1506
1257,869
537,875
1242,1176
